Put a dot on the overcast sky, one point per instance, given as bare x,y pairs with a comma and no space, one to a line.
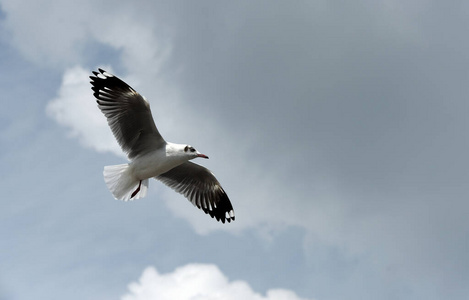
339,129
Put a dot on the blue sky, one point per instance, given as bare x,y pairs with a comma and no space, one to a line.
339,131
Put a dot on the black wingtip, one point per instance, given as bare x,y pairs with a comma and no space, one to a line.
103,79
224,210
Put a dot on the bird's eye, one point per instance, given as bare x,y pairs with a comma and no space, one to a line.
192,150
186,148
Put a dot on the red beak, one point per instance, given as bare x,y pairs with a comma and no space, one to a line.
202,155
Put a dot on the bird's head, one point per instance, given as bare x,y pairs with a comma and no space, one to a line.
192,153
182,152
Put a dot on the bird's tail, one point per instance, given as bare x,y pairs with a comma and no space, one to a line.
122,185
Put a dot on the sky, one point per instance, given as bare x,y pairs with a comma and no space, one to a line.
338,129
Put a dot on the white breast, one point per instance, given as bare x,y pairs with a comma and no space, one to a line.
156,163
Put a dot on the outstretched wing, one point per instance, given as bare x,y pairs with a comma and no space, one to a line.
128,114
201,187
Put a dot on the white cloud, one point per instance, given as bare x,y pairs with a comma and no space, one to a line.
197,281
75,108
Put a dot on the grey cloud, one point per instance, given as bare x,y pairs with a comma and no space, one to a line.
373,97
368,99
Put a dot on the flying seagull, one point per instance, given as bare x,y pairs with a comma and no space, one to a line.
129,116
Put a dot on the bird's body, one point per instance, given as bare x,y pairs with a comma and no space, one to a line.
131,122
157,162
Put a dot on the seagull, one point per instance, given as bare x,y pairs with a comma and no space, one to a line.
150,156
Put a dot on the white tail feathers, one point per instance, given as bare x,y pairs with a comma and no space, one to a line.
122,185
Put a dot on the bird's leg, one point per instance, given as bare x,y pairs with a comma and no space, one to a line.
137,190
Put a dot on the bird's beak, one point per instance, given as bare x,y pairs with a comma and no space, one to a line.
202,155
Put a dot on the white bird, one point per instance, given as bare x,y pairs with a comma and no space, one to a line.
129,116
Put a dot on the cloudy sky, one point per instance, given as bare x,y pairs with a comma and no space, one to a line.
339,129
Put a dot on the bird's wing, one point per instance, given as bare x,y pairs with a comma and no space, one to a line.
128,114
201,187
